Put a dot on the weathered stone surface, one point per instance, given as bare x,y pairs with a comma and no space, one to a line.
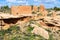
18,10
8,16
53,14
35,8
43,11
5,27
52,21
42,8
40,31
23,23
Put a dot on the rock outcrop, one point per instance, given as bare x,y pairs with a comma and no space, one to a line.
40,31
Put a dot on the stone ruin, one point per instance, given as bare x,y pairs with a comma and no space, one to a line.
43,11
22,14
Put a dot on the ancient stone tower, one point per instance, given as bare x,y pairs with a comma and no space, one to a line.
42,10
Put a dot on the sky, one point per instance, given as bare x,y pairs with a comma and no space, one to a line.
46,3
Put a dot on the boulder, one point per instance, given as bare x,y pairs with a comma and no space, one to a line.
40,31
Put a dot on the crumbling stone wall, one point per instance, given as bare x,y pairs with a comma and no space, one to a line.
35,8
18,10
43,11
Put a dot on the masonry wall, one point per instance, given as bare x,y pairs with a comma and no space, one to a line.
43,11
35,8
14,10
17,10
